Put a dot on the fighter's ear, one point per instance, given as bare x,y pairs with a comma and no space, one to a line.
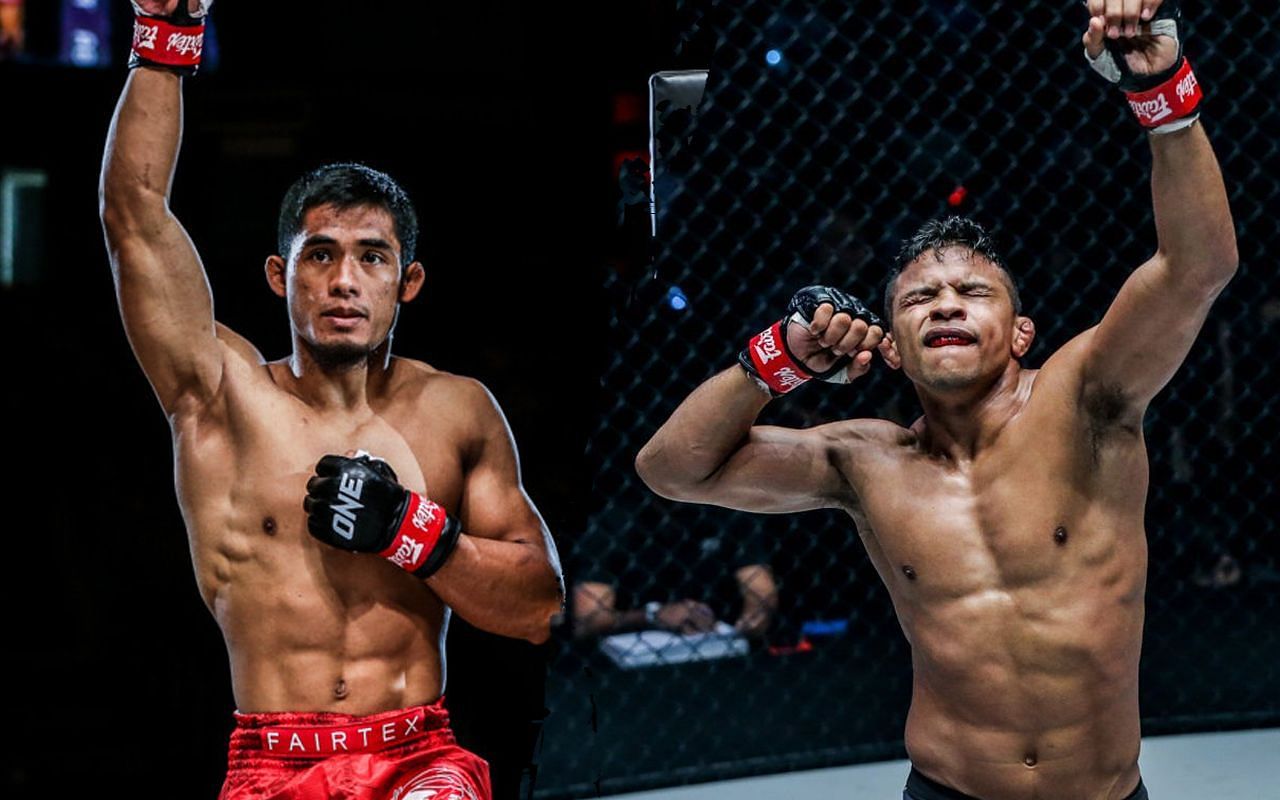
889,352
411,282
275,269
1024,333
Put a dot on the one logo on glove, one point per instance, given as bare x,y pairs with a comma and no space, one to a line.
408,553
344,512
767,347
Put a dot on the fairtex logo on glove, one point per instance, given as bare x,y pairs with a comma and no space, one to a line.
1172,100
424,516
161,42
766,346
408,550
1151,111
186,44
408,554
1187,87
772,363
144,36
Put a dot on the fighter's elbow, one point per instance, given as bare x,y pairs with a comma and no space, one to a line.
644,464
538,629
662,477
1229,261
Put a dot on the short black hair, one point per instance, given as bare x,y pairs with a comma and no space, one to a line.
937,235
348,185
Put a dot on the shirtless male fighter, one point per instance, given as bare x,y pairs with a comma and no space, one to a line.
1006,522
333,615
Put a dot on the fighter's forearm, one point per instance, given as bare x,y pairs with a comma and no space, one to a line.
703,432
1193,220
142,148
508,588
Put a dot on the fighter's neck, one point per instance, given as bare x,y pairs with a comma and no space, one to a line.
960,424
345,387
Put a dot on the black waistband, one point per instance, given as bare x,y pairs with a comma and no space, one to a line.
922,787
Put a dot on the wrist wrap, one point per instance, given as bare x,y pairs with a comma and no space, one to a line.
1162,108
425,539
174,43
766,359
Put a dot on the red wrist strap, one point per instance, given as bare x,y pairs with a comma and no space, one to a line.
771,361
418,534
159,42
1172,100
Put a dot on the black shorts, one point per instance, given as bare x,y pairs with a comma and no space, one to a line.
920,787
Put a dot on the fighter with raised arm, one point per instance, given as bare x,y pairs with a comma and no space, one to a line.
331,576
1007,521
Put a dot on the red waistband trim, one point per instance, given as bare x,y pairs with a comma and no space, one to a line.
318,734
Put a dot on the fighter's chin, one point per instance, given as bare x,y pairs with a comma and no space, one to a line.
950,380
339,354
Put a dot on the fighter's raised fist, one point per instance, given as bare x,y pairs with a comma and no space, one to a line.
833,335
169,34
828,334
1137,45
1144,38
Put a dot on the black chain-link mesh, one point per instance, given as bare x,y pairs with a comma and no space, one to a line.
828,133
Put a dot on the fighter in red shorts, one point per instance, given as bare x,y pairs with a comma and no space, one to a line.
331,576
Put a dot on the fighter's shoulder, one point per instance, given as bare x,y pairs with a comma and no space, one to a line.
447,394
237,351
1062,388
866,432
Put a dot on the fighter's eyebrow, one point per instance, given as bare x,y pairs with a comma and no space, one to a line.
315,239
919,289
319,239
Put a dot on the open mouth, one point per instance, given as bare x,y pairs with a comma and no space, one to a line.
949,337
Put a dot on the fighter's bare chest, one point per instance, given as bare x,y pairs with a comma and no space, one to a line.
1010,518
260,456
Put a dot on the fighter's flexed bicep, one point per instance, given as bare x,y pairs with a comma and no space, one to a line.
1154,320
773,470
160,283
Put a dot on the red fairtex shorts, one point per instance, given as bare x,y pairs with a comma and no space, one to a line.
408,754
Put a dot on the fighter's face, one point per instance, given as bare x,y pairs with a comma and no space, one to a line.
953,320
343,281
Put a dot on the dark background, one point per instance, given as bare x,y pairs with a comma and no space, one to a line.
497,118
829,131
507,123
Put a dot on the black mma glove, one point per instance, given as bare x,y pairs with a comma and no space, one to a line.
357,504
1165,101
769,360
173,41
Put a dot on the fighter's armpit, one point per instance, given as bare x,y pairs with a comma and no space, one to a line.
238,345
1103,405
859,447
